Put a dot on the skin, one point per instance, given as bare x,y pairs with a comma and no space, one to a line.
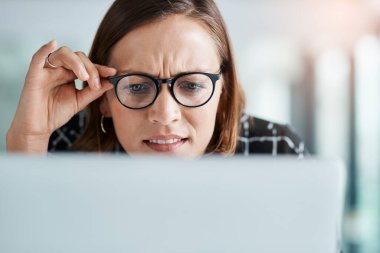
162,49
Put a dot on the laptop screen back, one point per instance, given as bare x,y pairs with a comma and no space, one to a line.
119,204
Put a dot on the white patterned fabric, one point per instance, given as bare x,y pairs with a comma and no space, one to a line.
257,136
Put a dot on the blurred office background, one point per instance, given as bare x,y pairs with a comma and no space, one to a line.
313,64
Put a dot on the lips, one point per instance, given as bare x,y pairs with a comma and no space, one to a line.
165,143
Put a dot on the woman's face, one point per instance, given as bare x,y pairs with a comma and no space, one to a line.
164,49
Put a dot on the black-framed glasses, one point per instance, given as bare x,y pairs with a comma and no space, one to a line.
139,91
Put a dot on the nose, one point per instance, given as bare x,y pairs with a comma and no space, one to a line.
165,110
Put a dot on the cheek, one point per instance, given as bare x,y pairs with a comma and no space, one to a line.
203,119
117,110
214,105
125,121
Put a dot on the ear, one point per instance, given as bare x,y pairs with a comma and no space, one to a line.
222,91
104,106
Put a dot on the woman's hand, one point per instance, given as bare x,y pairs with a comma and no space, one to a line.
49,98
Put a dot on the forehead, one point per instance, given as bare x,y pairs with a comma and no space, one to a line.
175,44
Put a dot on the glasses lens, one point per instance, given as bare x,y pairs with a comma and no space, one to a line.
193,89
136,91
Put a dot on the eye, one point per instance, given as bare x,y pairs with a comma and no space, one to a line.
138,88
190,86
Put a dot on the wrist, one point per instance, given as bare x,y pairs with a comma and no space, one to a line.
25,143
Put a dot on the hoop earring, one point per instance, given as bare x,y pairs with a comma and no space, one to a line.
102,124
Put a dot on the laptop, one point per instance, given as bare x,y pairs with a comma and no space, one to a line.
102,203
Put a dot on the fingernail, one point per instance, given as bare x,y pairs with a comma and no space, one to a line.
97,83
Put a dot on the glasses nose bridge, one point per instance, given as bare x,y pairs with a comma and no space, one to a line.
167,81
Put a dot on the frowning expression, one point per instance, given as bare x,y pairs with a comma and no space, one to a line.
164,49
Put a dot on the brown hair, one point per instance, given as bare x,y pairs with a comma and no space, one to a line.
126,15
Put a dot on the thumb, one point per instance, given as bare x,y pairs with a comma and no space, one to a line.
105,71
87,95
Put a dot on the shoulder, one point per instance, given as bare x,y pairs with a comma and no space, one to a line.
258,136
62,138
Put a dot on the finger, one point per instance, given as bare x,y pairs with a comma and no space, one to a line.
94,80
87,95
62,76
64,57
38,59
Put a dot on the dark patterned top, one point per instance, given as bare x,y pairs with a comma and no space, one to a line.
257,136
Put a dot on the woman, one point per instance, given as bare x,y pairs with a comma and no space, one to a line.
160,79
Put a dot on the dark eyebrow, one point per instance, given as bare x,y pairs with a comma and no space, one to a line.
124,72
